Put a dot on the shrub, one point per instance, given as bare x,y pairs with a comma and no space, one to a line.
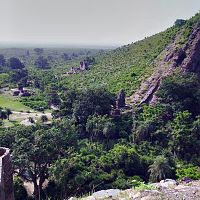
144,186
188,171
19,190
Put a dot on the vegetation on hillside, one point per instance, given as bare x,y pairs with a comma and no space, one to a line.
125,67
86,148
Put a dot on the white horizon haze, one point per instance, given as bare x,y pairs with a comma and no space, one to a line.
89,22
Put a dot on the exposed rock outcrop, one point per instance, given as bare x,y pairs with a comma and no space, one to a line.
186,58
165,190
192,48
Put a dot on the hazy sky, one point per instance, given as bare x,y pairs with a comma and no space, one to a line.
89,21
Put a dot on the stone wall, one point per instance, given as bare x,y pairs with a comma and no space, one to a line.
6,175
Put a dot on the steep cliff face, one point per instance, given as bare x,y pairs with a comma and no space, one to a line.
187,58
192,50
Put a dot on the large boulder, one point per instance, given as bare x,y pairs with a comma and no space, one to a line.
111,194
168,183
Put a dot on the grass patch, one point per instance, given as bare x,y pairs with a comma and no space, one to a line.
7,101
7,123
144,186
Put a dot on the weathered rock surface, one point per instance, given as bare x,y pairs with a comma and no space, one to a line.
192,61
165,190
186,58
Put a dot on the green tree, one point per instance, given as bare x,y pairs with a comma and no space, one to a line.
7,137
19,76
182,91
160,169
44,118
68,98
42,63
35,149
126,158
52,95
8,113
2,60
3,114
181,137
15,63
39,51
100,127
189,171
19,190
91,102
147,121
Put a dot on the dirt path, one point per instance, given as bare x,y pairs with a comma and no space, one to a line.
20,116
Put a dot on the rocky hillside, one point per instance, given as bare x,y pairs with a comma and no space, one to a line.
176,55
141,64
165,190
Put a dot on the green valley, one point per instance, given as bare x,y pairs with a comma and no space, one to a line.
80,120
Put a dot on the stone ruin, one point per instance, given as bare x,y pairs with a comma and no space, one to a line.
120,103
6,175
21,92
84,65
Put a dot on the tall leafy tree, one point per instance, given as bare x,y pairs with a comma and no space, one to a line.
160,169
42,63
15,63
182,91
2,60
90,102
99,127
8,112
35,148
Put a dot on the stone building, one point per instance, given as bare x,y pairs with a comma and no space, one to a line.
6,175
22,92
83,65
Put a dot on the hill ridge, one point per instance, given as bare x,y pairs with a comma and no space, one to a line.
173,57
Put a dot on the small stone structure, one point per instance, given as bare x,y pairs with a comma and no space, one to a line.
6,175
84,65
22,92
120,103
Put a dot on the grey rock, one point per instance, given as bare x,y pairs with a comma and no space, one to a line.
106,194
168,183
